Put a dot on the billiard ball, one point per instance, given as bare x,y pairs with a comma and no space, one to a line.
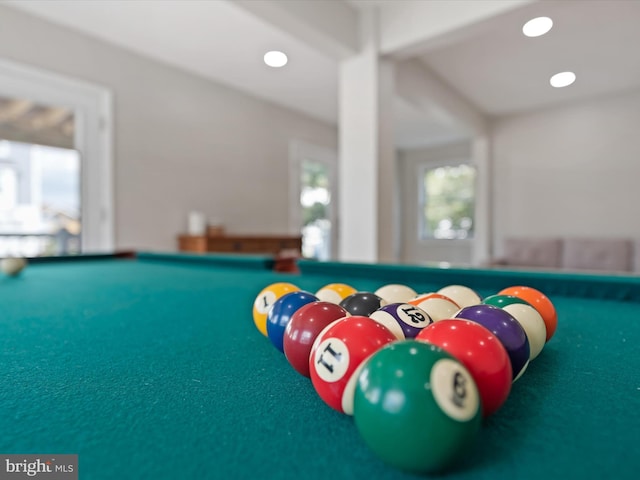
265,300
402,319
335,292
416,406
540,302
480,352
527,316
438,306
461,294
12,266
303,329
281,313
337,355
362,303
506,328
396,293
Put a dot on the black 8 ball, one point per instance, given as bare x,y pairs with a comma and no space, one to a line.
362,303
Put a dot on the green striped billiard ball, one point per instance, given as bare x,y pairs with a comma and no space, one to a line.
416,406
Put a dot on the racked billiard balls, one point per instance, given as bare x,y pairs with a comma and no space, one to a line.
402,319
337,355
303,329
506,328
480,352
362,303
265,300
281,313
416,406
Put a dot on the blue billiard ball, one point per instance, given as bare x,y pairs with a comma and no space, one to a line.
281,313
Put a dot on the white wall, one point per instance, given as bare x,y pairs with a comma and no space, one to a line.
181,142
568,171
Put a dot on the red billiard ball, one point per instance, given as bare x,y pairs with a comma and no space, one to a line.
480,352
338,354
402,319
304,327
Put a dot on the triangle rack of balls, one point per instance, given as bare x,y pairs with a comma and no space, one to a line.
417,371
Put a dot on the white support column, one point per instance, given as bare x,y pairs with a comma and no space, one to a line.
366,151
482,241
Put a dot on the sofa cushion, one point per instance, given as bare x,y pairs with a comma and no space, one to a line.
606,254
533,252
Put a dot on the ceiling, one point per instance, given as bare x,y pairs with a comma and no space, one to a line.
490,64
26,121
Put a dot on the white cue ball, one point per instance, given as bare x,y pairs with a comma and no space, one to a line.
12,266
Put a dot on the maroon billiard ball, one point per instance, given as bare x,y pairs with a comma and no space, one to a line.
305,325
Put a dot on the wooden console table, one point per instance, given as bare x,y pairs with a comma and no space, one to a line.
240,243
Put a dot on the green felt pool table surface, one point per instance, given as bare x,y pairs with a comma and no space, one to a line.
152,368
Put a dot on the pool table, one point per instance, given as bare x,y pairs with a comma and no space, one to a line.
149,366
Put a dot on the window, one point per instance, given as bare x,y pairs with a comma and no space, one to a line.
39,200
447,202
315,199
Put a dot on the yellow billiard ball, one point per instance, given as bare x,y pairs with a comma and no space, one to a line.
335,292
265,300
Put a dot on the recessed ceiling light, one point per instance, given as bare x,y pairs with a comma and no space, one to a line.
562,79
537,26
275,59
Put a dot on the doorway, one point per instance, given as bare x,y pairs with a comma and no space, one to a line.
91,107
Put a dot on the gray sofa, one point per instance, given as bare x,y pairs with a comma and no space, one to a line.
571,253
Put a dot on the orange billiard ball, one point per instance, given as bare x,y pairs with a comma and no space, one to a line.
540,302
